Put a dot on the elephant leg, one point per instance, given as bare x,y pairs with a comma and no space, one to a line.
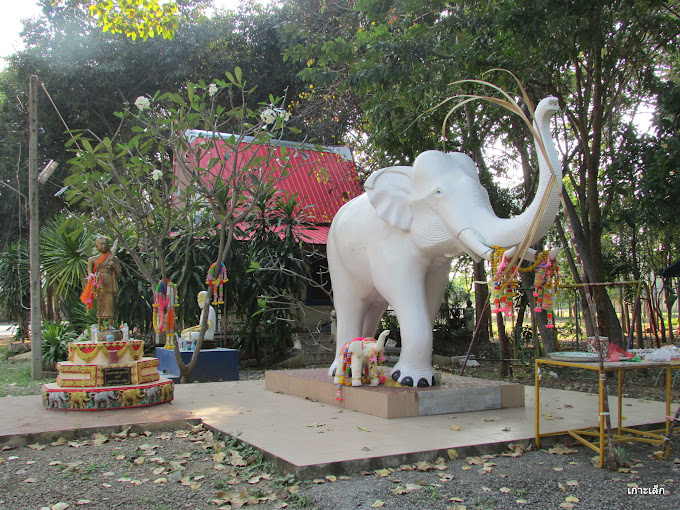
357,366
415,361
350,317
436,280
372,319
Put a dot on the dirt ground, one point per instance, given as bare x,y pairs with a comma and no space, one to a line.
196,469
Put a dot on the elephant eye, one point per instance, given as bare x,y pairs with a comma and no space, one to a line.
437,191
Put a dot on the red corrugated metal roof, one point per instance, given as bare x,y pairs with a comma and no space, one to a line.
324,180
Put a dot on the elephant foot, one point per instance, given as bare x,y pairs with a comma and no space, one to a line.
405,377
332,369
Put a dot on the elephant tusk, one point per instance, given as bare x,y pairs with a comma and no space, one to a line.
477,249
530,254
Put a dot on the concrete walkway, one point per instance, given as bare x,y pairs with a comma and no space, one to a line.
311,439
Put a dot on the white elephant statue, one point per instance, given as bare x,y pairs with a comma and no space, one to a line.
394,243
363,356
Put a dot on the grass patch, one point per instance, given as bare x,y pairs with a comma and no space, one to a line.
15,376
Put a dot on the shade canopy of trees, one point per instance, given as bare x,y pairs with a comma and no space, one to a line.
373,72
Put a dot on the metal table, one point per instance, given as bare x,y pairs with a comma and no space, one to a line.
597,439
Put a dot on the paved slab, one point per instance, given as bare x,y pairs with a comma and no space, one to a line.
25,420
311,438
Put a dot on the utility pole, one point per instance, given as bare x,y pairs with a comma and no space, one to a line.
34,230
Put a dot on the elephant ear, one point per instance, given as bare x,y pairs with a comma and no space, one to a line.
389,191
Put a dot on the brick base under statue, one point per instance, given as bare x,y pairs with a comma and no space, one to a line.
455,394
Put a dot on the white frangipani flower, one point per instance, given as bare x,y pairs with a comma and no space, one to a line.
156,174
143,103
270,115
212,89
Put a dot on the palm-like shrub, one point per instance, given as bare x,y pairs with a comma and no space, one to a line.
64,248
55,339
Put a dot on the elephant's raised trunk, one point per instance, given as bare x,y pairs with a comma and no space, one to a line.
539,216
380,343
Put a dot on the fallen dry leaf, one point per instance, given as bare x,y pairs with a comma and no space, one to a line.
332,478
561,450
36,446
236,459
505,489
474,461
452,453
99,439
316,425
423,466
364,429
60,506
571,499
572,483
378,504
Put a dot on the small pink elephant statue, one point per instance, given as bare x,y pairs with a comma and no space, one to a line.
363,358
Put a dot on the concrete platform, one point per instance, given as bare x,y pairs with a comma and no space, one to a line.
454,394
311,439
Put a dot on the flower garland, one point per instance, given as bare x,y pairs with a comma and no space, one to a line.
164,304
216,280
504,283
547,279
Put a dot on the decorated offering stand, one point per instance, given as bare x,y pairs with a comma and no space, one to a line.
109,371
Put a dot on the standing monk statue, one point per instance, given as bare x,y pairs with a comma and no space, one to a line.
102,269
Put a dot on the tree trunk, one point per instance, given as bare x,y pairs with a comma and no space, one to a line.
590,251
502,341
576,275
482,314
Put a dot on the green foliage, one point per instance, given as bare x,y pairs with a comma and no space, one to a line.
55,339
267,276
90,74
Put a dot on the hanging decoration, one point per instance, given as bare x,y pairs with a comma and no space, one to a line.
505,283
217,276
545,283
164,304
